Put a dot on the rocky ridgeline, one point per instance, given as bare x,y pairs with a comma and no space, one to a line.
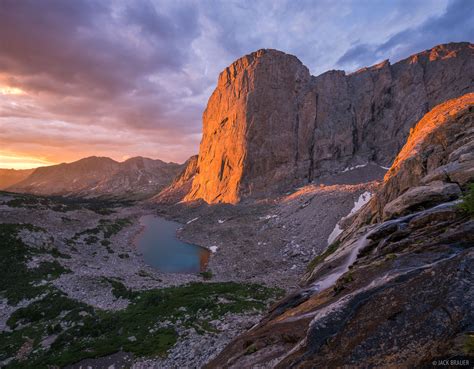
8,177
395,289
180,186
135,178
270,125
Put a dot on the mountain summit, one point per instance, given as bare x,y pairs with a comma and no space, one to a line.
100,176
269,125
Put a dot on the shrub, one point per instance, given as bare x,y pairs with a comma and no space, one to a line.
467,204
321,257
206,275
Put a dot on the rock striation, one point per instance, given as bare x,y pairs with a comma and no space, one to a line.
269,125
395,289
134,178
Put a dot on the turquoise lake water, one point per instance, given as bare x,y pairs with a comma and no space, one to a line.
162,250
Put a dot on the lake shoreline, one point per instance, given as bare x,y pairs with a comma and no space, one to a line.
160,247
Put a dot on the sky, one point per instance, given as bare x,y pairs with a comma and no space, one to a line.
123,78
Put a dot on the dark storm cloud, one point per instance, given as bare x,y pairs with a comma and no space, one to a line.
99,52
456,24
84,43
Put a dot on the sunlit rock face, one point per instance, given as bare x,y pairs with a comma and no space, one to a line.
251,127
270,125
401,291
436,162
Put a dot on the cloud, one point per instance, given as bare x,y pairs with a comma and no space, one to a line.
92,63
455,24
120,78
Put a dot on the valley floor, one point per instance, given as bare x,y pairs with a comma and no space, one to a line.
81,258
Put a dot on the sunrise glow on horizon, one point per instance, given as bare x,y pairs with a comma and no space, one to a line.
9,161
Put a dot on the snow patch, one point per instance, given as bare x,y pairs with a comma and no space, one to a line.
220,221
335,232
361,201
213,249
266,217
355,167
192,220
386,168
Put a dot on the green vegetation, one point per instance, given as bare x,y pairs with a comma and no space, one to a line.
321,257
57,254
469,344
41,202
64,204
251,349
111,228
27,202
119,290
106,227
145,274
63,331
105,243
343,282
18,282
48,308
90,240
467,204
78,331
207,275
83,332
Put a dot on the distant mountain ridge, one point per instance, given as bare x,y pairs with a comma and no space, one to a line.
94,176
181,185
9,177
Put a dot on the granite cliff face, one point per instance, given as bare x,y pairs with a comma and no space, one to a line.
248,127
270,125
395,289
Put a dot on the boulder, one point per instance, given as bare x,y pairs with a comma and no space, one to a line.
421,196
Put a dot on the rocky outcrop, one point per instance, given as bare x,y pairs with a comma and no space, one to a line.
270,125
396,288
134,178
434,165
180,186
